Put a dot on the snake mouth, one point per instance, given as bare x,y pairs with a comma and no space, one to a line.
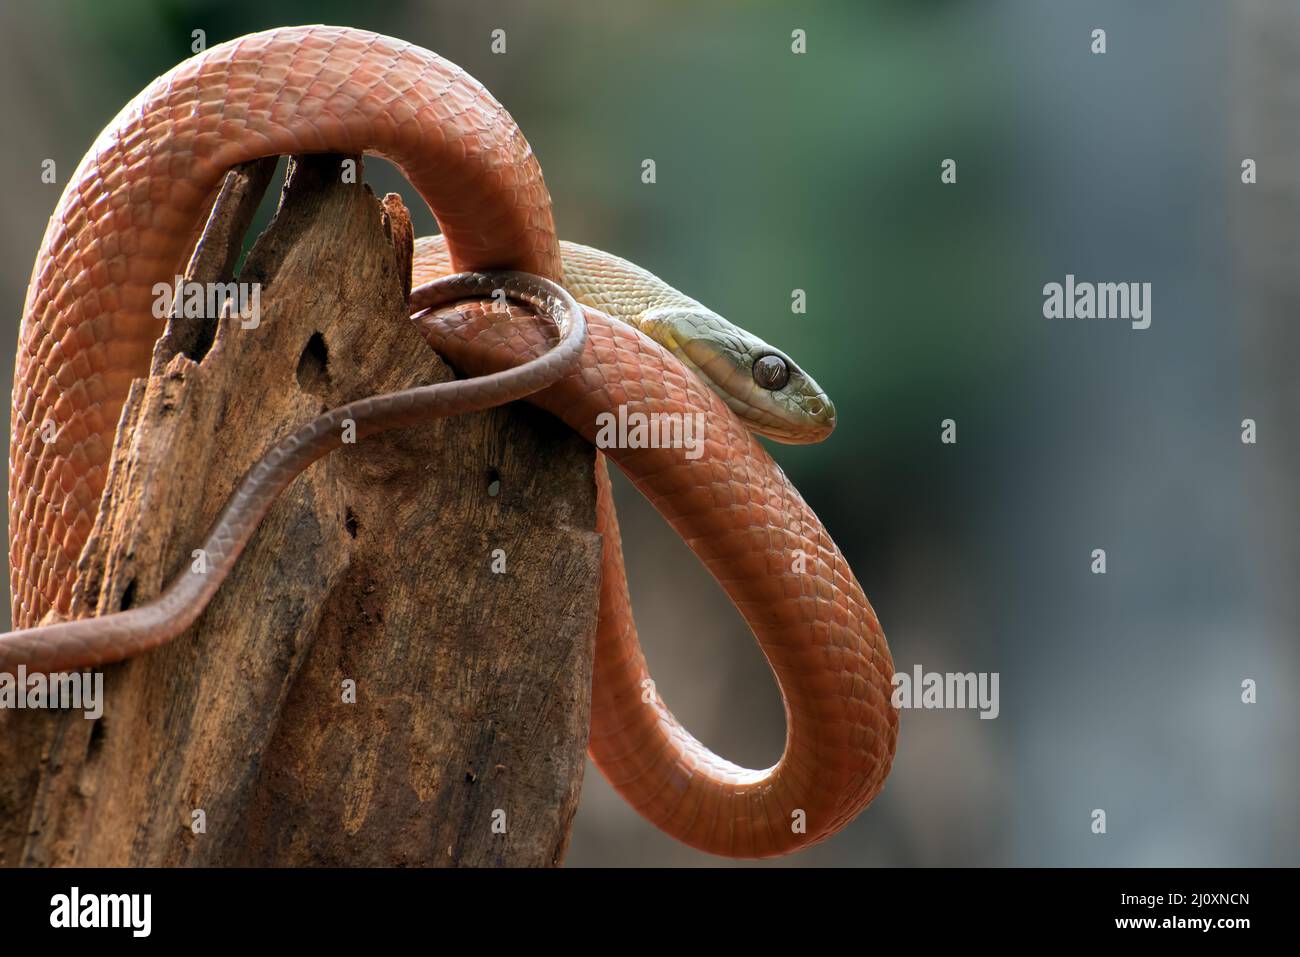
809,430
821,419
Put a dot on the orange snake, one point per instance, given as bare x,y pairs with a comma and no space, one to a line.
125,222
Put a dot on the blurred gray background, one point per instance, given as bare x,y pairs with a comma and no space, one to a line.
821,172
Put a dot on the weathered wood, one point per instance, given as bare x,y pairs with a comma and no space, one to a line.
466,743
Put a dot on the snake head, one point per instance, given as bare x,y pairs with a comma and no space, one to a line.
760,383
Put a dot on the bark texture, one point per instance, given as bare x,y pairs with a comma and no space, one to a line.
378,570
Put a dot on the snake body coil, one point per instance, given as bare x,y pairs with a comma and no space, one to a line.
123,224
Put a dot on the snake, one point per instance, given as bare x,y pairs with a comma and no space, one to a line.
610,336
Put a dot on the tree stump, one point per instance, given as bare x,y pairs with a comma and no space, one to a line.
378,569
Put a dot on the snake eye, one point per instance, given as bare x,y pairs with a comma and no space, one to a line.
771,372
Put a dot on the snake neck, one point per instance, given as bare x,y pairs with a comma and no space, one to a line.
623,290
720,353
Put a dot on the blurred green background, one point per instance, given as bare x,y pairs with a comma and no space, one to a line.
821,171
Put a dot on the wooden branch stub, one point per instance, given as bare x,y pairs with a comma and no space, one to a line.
467,738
